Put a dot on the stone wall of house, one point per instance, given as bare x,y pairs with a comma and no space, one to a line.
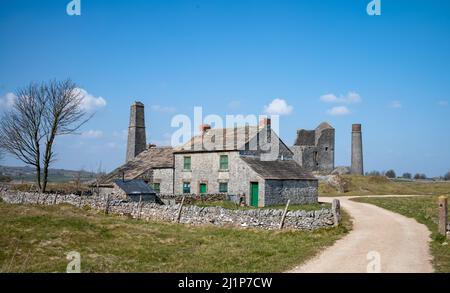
205,169
164,177
194,215
278,192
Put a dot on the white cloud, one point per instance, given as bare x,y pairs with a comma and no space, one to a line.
278,107
7,101
90,103
162,109
395,104
350,98
443,103
92,134
338,111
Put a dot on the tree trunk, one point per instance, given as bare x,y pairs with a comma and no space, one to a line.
48,157
38,178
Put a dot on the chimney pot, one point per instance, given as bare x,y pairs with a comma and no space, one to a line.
356,127
204,128
263,122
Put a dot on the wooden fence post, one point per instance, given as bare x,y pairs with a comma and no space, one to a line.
139,207
284,215
179,210
443,213
107,205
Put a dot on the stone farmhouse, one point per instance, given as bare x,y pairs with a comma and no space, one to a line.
251,162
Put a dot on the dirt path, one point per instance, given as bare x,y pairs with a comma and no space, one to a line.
400,243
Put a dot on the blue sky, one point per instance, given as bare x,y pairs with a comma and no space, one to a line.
236,57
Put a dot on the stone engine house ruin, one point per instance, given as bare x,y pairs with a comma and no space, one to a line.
314,149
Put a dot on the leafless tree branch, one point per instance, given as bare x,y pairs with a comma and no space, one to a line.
40,114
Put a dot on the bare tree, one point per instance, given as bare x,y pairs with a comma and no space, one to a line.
40,114
63,115
21,128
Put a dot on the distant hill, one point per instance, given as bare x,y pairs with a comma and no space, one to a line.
27,174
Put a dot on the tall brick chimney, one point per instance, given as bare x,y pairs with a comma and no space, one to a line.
137,141
357,150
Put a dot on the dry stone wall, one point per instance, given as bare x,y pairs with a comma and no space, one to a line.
256,218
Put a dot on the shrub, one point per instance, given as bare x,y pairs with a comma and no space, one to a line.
390,174
420,176
447,176
407,175
4,178
373,173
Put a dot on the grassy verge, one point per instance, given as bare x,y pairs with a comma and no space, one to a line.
232,206
425,210
380,185
37,239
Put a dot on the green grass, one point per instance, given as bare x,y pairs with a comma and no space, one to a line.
37,239
425,210
232,206
379,185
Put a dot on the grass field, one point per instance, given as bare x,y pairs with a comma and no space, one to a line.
425,210
378,185
37,239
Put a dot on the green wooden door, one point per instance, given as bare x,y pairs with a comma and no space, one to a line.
202,188
254,194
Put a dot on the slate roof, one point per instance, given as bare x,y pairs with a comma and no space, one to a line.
278,170
225,139
151,158
221,139
133,187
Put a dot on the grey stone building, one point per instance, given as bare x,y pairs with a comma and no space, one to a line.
250,161
314,149
131,190
153,165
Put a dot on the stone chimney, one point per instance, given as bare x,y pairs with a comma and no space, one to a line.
266,123
204,128
357,150
137,141
263,122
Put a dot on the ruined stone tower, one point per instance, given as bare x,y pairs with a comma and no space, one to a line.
357,151
314,149
137,141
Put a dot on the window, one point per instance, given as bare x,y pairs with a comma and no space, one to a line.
223,162
187,163
223,187
157,187
186,187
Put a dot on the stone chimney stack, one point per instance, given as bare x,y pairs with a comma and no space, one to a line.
137,141
204,128
357,150
263,122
